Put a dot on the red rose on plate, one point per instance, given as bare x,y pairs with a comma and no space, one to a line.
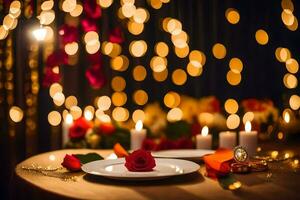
79,128
72,163
140,161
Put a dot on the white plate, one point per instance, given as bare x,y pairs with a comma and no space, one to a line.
187,154
115,169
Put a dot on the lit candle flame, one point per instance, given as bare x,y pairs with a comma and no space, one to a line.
88,115
39,34
204,131
69,119
248,127
287,117
139,125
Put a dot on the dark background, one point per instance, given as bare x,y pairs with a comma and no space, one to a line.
205,23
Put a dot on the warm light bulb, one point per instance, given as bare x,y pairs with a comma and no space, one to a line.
40,33
287,117
248,126
69,119
204,131
139,125
88,115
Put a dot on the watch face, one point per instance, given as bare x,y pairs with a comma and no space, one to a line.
240,154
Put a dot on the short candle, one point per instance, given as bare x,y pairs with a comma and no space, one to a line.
137,136
204,140
227,139
65,129
248,139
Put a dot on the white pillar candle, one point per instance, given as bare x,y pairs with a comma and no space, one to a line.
227,139
65,129
204,140
137,136
248,139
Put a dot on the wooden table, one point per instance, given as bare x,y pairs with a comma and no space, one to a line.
284,184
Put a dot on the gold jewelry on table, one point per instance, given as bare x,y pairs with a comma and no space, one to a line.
50,172
243,166
240,154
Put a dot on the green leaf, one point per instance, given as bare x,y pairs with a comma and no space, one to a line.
86,158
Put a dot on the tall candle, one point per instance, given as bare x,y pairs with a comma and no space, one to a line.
137,136
227,139
248,139
65,129
204,140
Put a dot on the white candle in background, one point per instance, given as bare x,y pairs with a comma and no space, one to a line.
137,136
248,139
204,140
227,139
65,129
88,115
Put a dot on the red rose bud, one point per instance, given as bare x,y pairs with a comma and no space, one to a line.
140,161
71,163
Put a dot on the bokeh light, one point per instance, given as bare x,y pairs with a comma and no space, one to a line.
118,83
232,16
236,65
233,121
104,103
138,48
16,114
139,73
172,99
219,51
54,118
138,115
120,114
261,37
161,49
231,106
179,77
140,97
119,98
233,78
175,114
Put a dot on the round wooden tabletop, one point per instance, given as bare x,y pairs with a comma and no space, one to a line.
282,185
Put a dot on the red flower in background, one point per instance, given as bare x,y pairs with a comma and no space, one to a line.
89,25
149,145
256,105
140,161
195,128
92,9
107,128
71,162
57,58
184,143
50,77
116,36
215,105
95,58
79,128
95,76
68,34
165,144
